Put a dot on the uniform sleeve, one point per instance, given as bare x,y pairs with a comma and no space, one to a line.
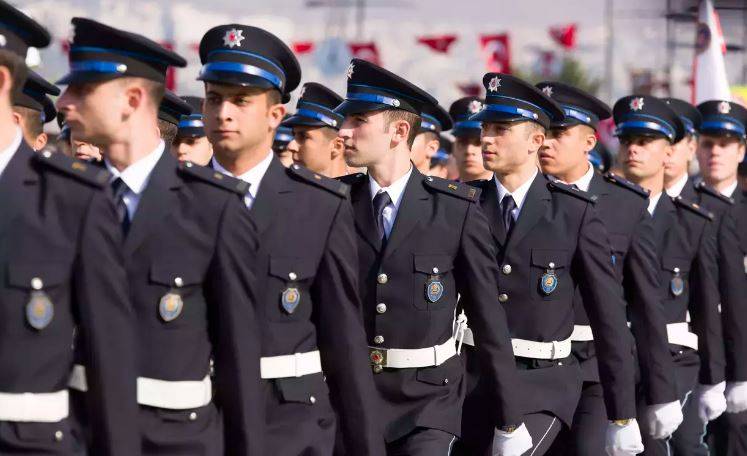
603,300
477,272
231,288
641,285
108,327
342,340
704,301
733,286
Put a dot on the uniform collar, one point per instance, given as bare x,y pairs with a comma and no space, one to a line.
676,189
7,154
396,190
584,182
729,191
253,176
653,201
136,175
519,195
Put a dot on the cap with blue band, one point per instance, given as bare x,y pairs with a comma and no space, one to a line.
645,115
723,118
579,106
316,108
435,119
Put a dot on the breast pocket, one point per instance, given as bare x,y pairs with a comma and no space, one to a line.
43,287
289,290
179,298
676,274
549,278
433,284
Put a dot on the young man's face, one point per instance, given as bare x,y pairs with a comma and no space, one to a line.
423,149
643,157
366,137
95,111
719,157
467,150
682,153
509,146
85,151
239,118
315,147
566,149
195,150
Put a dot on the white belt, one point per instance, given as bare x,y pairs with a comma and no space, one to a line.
541,350
165,394
403,358
34,407
468,338
295,365
679,334
582,333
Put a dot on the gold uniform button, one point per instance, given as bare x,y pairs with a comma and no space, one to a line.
378,340
382,279
192,416
503,297
380,308
58,435
506,269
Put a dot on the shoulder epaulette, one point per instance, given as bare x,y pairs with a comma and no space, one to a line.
316,179
78,169
624,183
458,189
703,188
479,183
214,177
580,194
692,207
351,179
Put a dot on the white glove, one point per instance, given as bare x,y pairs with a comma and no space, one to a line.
711,401
663,419
736,397
623,440
512,443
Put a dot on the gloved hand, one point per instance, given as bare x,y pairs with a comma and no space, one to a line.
513,443
736,397
711,401
663,419
623,440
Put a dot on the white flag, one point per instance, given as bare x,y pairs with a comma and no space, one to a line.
709,69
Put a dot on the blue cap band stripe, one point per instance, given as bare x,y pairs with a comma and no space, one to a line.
431,120
373,98
317,116
425,125
283,137
723,125
643,124
577,114
311,105
135,55
512,110
97,66
249,54
475,124
185,123
689,126
538,108
235,67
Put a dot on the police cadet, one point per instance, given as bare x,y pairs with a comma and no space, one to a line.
467,149
33,108
622,206
170,112
189,253
191,143
422,242
677,179
433,120
647,128
720,151
315,124
309,309
552,245
60,269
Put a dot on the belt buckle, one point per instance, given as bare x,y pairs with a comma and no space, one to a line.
377,357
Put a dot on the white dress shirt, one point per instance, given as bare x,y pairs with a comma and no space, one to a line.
729,191
253,176
653,201
136,177
675,190
7,154
584,182
396,191
519,195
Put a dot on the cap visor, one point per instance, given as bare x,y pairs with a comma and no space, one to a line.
86,76
234,78
190,133
495,116
349,107
302,121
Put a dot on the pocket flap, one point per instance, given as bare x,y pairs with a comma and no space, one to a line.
282,267
543,258
433,264
51,274
301,389
448,372
168,273
671,263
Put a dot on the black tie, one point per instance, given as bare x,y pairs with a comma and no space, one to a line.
380,201
507,205
119,188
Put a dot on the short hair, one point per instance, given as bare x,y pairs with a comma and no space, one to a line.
32,119
17,68
430,136
168,131
273,97
534,127
395,115
156,90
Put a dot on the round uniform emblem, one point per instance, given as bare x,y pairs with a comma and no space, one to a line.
677,285
39,310
170,307
434,289
377,358
290,299
548,282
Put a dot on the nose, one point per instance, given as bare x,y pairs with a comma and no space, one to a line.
224,112
293,147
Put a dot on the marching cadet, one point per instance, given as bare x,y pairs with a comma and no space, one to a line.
170,112
311,326
647,128
677,180
467,149
622,206
61,271
33,108
422,242
191,143
189,252
720,151
552,245
433,121
315,124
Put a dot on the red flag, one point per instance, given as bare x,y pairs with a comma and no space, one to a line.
497,53
171,71
366,51
438,43
564,35
470,89
194,47
303,47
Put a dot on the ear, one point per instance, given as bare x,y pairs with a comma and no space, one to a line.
337,147
591,142
537,139
41,141
6,83
134,94
432,147
17,118
275,114
401,130
740,151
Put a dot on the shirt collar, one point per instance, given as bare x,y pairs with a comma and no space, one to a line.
653,201
729,191
7,154
675,190
519,194
253,176
396,190
136,175
584,182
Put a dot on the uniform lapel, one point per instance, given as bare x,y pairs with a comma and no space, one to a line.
596,186
534,207
688,191
489,205
361,199
412,209
17,176
274,182
664,214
